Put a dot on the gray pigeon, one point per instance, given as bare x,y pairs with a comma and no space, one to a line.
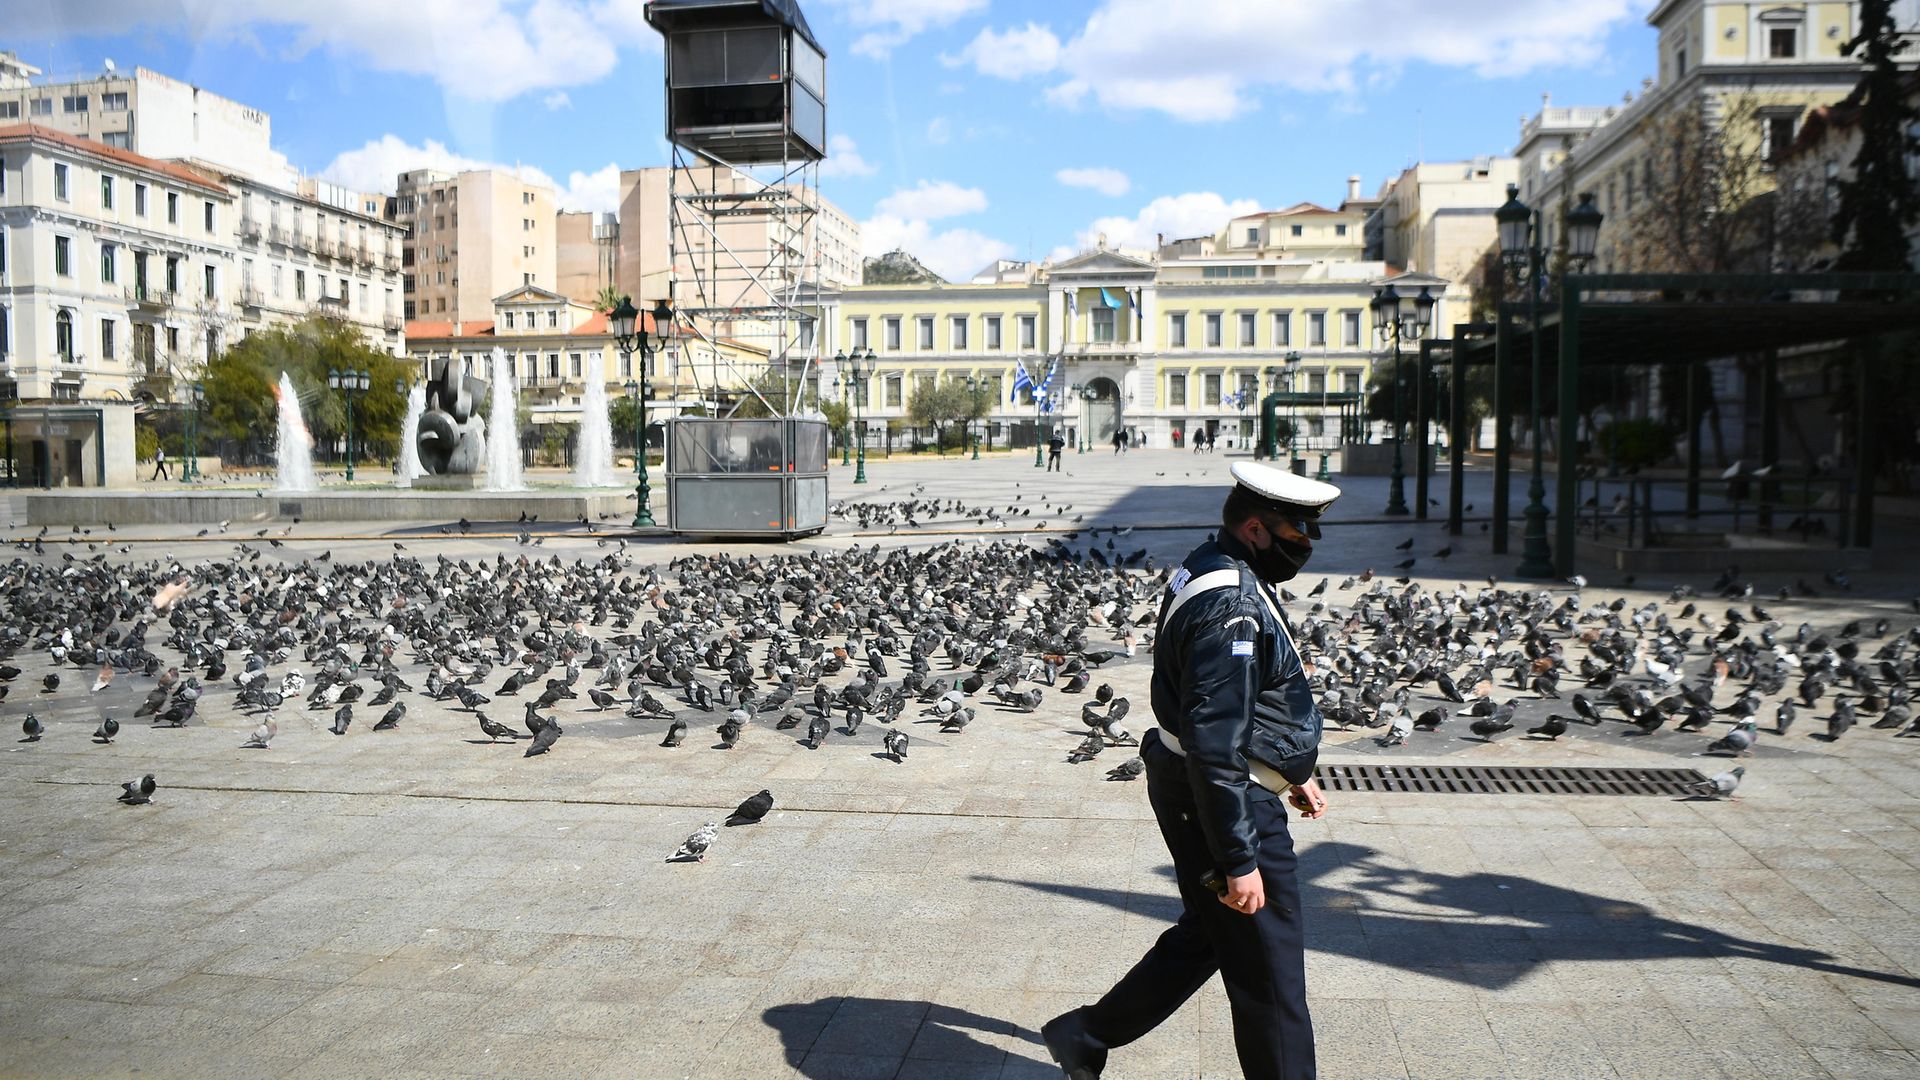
896,745
1738,741
1129,769
1722,786
752,810
817,730
694,849
1398,730
676,732
1088,749
138,792
544,739
108,728
262,735
32,727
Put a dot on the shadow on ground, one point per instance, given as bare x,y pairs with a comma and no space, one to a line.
836,1037
1483,930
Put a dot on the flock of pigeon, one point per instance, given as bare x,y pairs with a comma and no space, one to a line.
885,636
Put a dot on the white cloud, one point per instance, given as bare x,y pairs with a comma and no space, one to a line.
843,158
954,254
939,131
1195,213
1101,179
1015,54
557,100
932,201
1208,60
376,165
890,23
481,50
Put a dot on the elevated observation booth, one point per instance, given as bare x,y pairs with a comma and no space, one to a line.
763,478
746,80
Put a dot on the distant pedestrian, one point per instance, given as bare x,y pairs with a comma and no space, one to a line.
1054,446
1199,440
160,467
1119,440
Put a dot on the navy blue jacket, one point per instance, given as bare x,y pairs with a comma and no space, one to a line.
1229,685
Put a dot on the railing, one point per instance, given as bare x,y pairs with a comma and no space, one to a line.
1643,512
1101,348
249,228
149,299
390,263
251,296
392,323
278,234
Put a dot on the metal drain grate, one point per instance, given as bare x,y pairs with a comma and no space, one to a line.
1508,780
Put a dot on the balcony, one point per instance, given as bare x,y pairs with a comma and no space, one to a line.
148,299
1101,348
251,296
250,228
392,323
363,255
390,263
279,235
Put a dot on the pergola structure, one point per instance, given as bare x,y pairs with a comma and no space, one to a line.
1609,320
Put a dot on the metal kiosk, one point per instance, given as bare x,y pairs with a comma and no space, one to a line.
765,478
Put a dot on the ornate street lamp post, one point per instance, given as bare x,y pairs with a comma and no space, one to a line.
632,389
858,370
1089,395
350,384
190,468
630,334
976,386
1398,319
1291,371
1521,233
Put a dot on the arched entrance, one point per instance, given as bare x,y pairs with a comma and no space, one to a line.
1104,411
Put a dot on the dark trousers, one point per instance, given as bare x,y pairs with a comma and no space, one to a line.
159,470
1053,461
1261,957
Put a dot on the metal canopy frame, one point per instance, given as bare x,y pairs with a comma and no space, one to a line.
1661,319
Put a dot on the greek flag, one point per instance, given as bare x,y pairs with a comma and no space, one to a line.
1021,380
1044,394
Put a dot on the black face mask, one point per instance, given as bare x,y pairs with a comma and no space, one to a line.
1280,560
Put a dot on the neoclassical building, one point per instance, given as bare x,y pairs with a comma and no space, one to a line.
1185,338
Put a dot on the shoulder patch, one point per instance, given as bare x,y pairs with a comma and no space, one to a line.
1180,579
1243,648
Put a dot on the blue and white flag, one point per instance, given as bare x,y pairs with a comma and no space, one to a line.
1021,380
1045,392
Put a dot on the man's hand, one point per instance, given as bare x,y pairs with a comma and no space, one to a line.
1246,894
1308,799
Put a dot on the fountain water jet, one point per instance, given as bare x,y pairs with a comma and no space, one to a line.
410,467
503,442
293,458
595,467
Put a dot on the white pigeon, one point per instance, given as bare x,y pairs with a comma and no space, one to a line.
1733,470
695,847
261,736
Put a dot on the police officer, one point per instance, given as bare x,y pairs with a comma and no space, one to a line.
1238,734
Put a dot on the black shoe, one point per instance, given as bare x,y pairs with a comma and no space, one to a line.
1075,1051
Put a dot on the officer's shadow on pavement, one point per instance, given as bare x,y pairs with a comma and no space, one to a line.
833,1038
1481,929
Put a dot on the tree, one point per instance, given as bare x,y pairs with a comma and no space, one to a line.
1703,170
242,383
606,299
1880,200
943,404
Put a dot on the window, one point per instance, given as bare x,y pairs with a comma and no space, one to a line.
59,181
140,200
63,256
892,328
173,208
74,103
1213,330
923,336
1253,236
113,102
1317,382
106,192
6,328
1777,130
1339,230
894,386
1028,332
173,273
299,284
406,310
993,331
274,274
1223,273
859,332
40,107
806,333
1350,328
106,340
1783,42
957,333
208,216
9,110
1246,330
1211,394
1282,328
207,273
108,268
406,283
1317,329
1297,230
553,366
553,320
63,336
626,366
119,140
511,316
1350,382
1177,330
1679,62
173,339
1177,391
573,363
1102,322
1249,387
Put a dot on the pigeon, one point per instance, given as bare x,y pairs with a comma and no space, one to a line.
32,727
1553,727
817,730
1397,731
494,730
342,719
730,731
108,728
1723,785
1488,726
752,810
676,734
694,848
1738,741
1088,749
390,719
544,739
1129,769
895,743
138,792
262,736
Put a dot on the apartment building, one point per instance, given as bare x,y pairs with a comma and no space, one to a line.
471,236
315,253
1436,217
117,279
587,254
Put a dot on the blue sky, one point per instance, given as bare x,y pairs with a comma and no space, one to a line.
964,130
